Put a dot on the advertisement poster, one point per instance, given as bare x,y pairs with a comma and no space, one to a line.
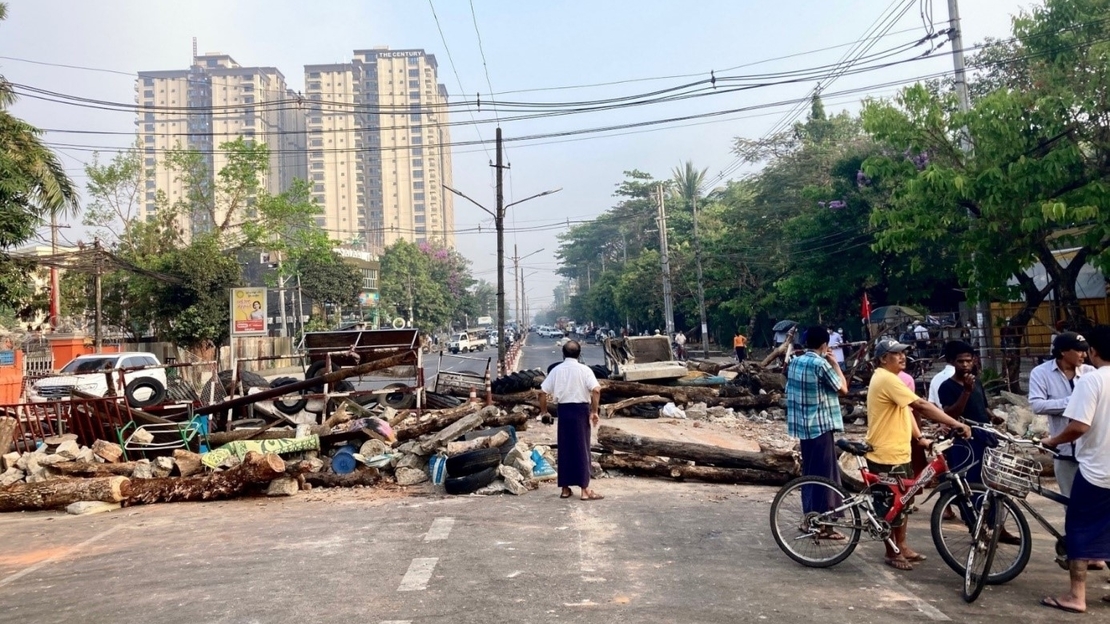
248,311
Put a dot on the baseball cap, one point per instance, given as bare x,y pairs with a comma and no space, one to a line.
889,345
1068,341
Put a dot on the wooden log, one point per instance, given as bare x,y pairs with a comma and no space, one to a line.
704,366
607,411
7,433
255,469
454,430
519,420
220,438
774,461
365,476
655,467
413,428
188,463
680,395
84,469
56,493
758,401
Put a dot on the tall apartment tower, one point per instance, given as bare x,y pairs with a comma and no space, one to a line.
215,101
379,148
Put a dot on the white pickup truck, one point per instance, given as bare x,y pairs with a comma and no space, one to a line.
465,342
90,373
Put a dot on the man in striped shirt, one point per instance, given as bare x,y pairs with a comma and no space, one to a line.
813,381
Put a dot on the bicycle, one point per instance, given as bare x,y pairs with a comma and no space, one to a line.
1009,475
804,534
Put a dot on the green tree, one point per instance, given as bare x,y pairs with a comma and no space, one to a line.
330,281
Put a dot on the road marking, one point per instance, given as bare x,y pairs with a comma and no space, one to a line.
396,621
440,529
888,577
420,571
65,553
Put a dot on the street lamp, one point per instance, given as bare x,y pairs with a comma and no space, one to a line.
499,222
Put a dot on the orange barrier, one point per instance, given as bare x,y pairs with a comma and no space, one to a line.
11,375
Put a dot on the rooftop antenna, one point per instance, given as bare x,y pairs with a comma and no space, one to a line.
194,50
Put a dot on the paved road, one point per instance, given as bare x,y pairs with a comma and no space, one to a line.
653,551
542,352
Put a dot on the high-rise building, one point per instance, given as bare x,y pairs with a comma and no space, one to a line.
379,148
213,102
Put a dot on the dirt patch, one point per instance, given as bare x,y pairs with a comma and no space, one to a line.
31,557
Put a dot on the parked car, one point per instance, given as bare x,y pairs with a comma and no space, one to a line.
464,342
89,374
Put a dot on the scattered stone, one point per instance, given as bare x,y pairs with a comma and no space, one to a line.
1019,420
143,470
497,487
85,455
697,411
720,412
162,467
1016,400
410,460
514,481
373,448
38,477
520,458
9,460
410,476
52,443
84,508
142,436
283,486
50,460
188,463
10,476
1038,426
229,463
110,452
68,449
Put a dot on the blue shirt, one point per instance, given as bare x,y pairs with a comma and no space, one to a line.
812,408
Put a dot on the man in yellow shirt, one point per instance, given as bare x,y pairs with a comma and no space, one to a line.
892,430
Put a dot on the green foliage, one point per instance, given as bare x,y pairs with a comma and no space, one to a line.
431,282
330,280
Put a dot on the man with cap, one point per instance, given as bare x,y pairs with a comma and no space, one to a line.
892,431
1050,388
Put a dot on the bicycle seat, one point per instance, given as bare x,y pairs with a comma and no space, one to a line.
855,448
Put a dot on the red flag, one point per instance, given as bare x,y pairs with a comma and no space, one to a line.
865,309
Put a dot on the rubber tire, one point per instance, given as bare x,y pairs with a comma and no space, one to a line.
852,535
973,584
505,448
397,400
474,461
315,370
470,483
157,392
946,496
285,406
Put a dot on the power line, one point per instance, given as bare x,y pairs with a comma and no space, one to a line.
454,70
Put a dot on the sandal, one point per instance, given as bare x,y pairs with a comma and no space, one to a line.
915,557
898,563
588,495
566,493
1055,604
832,534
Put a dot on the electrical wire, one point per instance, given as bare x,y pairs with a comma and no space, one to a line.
455,71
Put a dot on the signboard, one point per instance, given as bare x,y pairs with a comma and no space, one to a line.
368,299
7,358
248,311
485,320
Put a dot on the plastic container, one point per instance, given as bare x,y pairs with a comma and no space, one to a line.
437,469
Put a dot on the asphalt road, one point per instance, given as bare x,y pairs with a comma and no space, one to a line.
653,551
543,352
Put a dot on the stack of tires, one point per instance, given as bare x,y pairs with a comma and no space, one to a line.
520,381
471,471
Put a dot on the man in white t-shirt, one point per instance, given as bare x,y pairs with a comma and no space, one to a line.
578,394
836,346
1087,520
680,342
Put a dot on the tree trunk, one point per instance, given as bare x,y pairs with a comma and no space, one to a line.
61,492
255,469
84,469
220,438
412,428
681,395
7,433
773,461
518,420
608,411
365,476
655,467
758,401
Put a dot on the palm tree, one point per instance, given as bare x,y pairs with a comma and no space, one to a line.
687,181
33,183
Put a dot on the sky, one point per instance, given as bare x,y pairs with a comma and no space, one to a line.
536,52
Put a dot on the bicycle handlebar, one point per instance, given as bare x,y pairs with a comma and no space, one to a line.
1002,435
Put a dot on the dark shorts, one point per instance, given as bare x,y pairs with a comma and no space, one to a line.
904,471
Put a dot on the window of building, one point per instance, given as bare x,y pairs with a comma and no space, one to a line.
150,184
414,95
148,82
414,60
417,140
318,177
418,185
321,222
149,162
316,143
213,63
419,162
414,73
148,116
417,151
370,279
149,138
418,173
418,219
149,93
314,74
414,84
317,165
248,99
319,188
418,197
150,127
150,196
418,207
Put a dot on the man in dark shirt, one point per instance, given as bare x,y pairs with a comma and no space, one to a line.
962,396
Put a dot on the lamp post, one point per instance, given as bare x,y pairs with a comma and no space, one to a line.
499,222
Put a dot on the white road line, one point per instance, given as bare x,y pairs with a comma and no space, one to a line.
396,621
28,570
440,529
890,579
420,571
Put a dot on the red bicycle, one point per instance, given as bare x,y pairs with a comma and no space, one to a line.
809,510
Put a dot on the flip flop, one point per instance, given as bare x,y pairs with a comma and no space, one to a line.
898,564
916,558
591,495
1096,565
833,535
1049,601
566,494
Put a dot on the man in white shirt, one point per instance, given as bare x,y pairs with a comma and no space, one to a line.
680,341
1087,519
578,394
921,335
945,374
836,346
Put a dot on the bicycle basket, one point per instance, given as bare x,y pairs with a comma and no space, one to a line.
1009,473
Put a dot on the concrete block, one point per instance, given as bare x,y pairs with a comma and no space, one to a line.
283,486
143,470
110,452
9,460
82,508
411,476
68,449
162,466
86,455
142,436
10,476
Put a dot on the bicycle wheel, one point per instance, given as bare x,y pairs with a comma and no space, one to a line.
981,553
953,537
796,530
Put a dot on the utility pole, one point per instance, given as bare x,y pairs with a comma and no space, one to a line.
517,279
499,222
98,335
982,307
668,305
281,297
55,283
701,286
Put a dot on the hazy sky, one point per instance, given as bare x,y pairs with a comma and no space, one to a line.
536,49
